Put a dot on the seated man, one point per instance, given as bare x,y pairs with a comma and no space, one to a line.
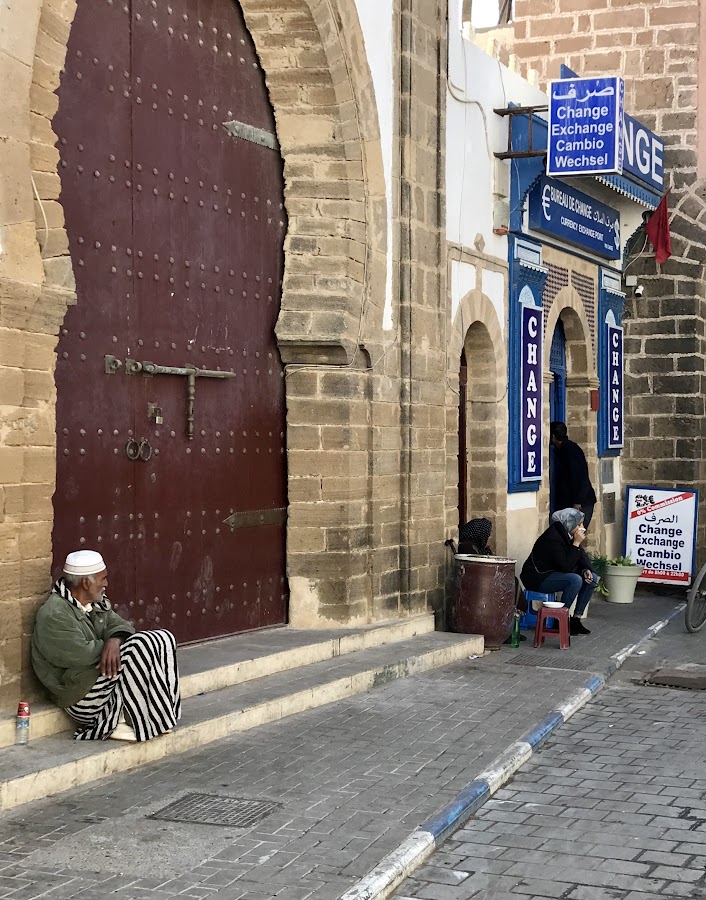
94,665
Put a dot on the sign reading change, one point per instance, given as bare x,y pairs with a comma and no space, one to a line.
586,120
660,532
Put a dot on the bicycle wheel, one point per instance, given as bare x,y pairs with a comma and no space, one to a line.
695,615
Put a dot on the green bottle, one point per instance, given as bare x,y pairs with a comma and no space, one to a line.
515,642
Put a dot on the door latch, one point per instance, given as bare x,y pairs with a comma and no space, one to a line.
155,412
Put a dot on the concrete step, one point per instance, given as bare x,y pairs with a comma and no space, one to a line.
217,664
57,763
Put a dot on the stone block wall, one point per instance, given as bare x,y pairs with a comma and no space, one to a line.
422,302
366,414
36,286
658,49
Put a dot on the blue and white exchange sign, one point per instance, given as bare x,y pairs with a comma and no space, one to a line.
586,126
615,386
531,393
574,217
644,155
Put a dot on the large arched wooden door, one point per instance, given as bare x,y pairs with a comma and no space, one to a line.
170,406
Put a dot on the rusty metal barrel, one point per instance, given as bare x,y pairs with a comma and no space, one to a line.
484,599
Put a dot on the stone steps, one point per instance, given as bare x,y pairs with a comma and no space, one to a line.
56,763
220,663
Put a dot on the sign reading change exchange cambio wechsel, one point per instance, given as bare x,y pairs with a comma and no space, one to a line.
586,120
660,532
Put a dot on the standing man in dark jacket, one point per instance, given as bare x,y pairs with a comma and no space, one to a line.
558,562
572,484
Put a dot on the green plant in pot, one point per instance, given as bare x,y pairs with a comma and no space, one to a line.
619,576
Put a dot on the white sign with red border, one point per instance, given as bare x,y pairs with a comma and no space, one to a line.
660,532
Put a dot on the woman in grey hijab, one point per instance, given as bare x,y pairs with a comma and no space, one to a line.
558,563
570,518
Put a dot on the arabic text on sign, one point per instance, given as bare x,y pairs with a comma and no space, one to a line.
585,126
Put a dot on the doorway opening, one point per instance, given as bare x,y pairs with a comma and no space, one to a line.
477,460
462,446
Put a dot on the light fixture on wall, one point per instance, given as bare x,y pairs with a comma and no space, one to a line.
501,216
631,281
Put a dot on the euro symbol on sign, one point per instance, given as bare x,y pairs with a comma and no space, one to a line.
545,203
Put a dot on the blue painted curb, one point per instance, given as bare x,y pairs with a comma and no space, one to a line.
459,810
598,681
538,735
399,864
474,795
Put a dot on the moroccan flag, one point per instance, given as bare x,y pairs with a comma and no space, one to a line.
657,229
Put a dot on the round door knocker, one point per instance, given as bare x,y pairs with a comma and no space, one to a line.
141,449
145,451
132,449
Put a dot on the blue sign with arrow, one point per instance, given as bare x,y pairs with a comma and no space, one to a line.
586,126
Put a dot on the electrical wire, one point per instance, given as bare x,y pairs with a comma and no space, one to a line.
639,255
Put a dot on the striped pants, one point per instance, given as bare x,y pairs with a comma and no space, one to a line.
146,691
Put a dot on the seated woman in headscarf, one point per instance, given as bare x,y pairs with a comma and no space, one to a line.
559,563
473,537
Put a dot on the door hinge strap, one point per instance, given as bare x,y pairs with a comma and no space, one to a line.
252,134
254,518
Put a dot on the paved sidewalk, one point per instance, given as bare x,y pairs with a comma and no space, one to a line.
355,778
611,808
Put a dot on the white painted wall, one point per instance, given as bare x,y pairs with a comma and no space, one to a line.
376,22
477,84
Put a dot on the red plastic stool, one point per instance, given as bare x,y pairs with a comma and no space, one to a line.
541,630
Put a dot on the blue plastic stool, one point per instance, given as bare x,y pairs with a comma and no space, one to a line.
529,619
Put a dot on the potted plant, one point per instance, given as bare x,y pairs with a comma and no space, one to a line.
618,578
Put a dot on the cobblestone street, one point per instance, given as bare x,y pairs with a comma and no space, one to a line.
354,779
613,807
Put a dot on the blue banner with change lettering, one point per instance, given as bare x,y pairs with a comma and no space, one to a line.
586,126
531,393
615,387
574,217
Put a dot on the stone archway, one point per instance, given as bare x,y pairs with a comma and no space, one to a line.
476,330
581,375
336,242
581,379
321,90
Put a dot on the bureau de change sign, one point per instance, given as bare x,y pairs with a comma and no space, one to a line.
586,118
574,217
660,532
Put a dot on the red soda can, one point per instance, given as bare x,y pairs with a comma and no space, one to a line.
22,726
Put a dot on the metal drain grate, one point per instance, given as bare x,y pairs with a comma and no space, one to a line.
210,809
561,659
692,678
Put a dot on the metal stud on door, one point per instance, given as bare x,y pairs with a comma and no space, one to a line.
199,360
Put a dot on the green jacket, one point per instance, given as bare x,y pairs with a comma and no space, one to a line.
67,644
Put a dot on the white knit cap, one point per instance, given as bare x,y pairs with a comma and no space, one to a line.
84,562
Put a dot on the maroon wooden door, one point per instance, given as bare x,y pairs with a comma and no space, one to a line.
172,189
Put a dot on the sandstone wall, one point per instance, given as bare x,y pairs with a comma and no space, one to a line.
366,415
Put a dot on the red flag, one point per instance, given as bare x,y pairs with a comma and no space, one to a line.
657,230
